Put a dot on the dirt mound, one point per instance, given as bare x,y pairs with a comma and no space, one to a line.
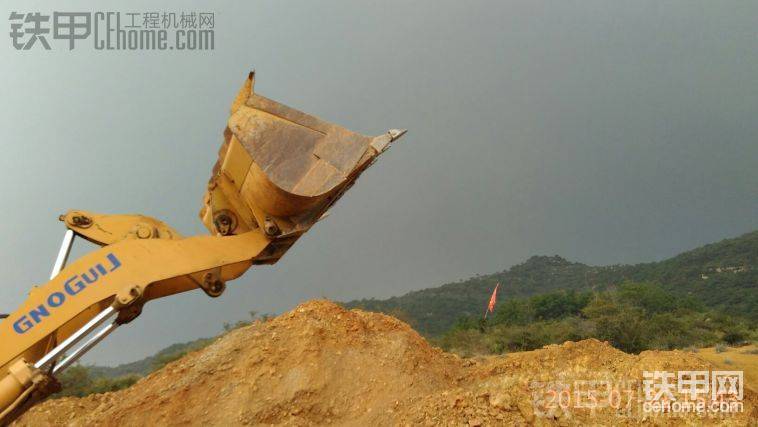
576,383
322,364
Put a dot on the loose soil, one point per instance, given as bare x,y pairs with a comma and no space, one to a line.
322,364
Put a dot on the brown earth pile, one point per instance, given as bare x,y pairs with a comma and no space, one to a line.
322,364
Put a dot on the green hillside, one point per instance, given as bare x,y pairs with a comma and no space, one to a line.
632,317
721,275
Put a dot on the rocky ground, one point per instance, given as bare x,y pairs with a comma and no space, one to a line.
322,364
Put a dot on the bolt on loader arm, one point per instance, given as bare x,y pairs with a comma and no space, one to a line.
278,173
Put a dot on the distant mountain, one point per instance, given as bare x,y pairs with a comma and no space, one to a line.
721,275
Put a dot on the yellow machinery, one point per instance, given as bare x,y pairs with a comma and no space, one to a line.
279,171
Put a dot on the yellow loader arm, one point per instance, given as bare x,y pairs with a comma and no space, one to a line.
279,171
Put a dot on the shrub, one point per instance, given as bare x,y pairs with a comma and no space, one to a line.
77,381
735,334
464,342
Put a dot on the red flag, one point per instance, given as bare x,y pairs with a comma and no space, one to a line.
493,299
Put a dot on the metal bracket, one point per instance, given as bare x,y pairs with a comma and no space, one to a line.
212,284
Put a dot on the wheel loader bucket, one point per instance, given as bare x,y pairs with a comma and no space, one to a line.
280,169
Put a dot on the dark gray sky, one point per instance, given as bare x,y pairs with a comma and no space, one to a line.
605,132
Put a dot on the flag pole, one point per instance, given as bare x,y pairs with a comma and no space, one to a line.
491,303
